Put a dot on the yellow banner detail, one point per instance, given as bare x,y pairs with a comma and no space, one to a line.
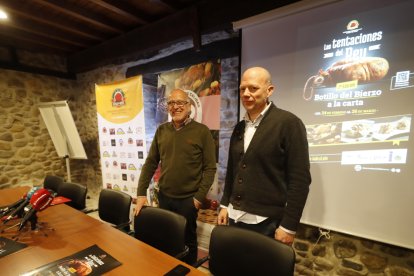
121,101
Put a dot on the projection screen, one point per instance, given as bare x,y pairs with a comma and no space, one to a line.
346,68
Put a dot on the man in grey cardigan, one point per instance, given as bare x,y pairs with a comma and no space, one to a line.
268,171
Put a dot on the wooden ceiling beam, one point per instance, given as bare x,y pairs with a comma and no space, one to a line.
147,38
174,5
122,9
195,29
13,9
98,21
48,32
212,15
17,43
35,39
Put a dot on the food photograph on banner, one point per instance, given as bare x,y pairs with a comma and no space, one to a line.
121,125
202,83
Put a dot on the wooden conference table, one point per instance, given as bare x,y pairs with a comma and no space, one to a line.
75,231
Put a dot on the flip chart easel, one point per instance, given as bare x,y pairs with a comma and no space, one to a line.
62,130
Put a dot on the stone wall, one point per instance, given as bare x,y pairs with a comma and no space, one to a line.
27,154
320,252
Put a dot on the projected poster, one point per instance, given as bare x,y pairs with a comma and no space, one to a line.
347,70
121,128
358,87
354,81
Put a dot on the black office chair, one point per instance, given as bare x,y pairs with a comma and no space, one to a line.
76,193
114,207
53,183
162,229
236,251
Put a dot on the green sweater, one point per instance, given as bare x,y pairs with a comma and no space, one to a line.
188,161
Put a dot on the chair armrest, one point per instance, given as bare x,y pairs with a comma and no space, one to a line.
201,261
183,253
87,211
123,225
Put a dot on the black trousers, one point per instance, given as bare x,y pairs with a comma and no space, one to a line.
266,227
186,208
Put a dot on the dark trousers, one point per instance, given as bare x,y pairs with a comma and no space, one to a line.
186,208
266,227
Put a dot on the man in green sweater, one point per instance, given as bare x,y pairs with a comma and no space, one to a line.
185,150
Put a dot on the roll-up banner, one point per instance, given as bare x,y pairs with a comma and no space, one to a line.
121,126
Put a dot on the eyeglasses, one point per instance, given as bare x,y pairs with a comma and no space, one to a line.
177,103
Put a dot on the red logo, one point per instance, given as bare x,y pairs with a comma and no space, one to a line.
118,98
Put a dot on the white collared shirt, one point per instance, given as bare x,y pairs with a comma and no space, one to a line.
186,122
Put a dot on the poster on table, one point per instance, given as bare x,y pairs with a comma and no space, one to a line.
202,83
90,261
8,246
121,127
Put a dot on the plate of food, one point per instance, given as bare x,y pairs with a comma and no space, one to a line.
328,133
392,129
357,131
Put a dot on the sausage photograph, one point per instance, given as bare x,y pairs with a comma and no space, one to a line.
363,70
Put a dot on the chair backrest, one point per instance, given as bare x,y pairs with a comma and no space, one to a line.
162,229
114,206
53,182
76,193
236,251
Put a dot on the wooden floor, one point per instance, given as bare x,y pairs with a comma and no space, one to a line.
207,219
201,254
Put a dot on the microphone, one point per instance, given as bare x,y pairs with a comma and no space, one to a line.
6,210
20,206
40,200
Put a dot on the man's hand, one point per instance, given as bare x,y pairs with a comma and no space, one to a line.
141,201
284,237
222,218
197,204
